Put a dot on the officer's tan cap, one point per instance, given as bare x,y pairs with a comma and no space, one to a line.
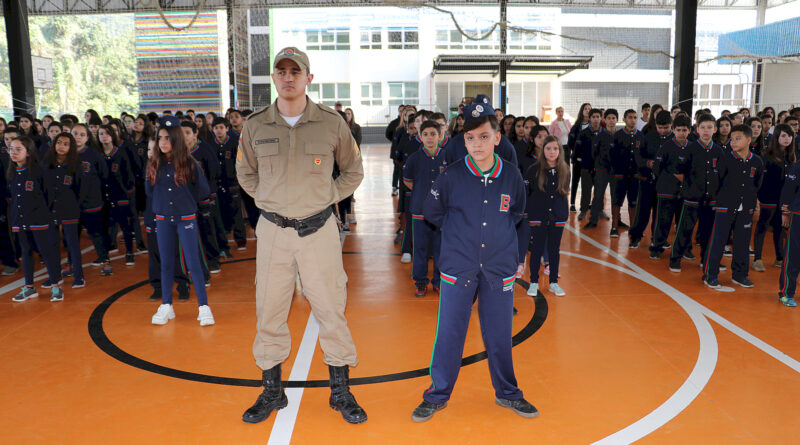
295,55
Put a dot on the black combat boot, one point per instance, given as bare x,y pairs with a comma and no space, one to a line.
271,399
341,399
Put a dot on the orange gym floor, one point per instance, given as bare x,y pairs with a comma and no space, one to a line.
632,353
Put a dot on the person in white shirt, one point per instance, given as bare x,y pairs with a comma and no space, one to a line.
642,122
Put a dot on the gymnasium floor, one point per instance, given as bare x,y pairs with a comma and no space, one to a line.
633,352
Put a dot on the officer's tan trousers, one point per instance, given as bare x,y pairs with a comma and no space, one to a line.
281,254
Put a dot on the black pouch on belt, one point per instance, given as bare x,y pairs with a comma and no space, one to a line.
304,227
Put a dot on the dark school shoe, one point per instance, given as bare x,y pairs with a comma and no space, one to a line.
521,407
425,410
744,282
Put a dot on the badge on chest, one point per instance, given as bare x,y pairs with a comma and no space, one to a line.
28,186
505,203
114,167
68,180
85,165
752,172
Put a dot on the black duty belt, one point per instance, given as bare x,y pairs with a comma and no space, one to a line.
304,227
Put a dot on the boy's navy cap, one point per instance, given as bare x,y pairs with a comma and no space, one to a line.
476,111
295,55
169,121
482,99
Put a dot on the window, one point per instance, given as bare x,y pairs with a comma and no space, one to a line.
403,93
452,39
703,91
527,40
403,38
259,54
726,91
371,94
371,38
328,39
330,93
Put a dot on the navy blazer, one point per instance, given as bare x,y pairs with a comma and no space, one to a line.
701,179
622,152
671,160
739,181
775,173
94,173
419,173
63,187
170,200
30,203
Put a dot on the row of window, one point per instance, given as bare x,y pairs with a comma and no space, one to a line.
339,39
453,39
371,93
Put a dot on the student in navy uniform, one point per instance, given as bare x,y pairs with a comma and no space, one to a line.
94,173
723,135
459,149
420,171
790,217
583,156
141,133
229,192
766,128
533,152
137,168
406,147
478,202
699,184
547,184
601,153
206,156
62,177
670,168
8,251
740,175
30,217
779,159
581,122
794,124
627,141
176,184
53,131
118,189
154,255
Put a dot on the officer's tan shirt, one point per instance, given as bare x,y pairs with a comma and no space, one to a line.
288,170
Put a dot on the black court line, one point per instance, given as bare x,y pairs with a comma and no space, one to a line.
99,337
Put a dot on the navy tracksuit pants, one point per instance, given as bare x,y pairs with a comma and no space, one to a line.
691,213
231,210
667,204
408,238
645,198
46,240
425,235
791,264
219,227
168,232
600,185
208,234
93,222
545,239
495,307
741,224
72,236
154,263
767,216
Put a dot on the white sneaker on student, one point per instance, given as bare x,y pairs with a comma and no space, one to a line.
205,316
556,289
533,289
406,258
164,314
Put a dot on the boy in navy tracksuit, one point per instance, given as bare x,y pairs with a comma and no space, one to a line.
207,158
670,169
627,141
583,154
229,193
740,175
478,203
601,153
703,158
790,208
645,159
406,146
419,172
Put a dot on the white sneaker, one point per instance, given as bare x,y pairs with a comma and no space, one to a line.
205,316
164,314
533,289
406,258
556,289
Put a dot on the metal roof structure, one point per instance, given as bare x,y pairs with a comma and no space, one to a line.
489,63
50,7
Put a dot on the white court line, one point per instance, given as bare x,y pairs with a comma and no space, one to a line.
283,427
658,418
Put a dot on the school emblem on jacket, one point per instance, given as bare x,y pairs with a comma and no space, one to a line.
28,186
114,167
141,151
85,166
752,172
505,203
228,154
435,193
67,180
714,162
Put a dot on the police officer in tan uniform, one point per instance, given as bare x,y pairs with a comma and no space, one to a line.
285,161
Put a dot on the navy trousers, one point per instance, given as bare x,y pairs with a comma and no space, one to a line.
46,240
644,198
545,238
495,307
600,185
93,222
168,232
691,213
740,223
154,262
8,253
791,264
768,216
231,210
72,236
408,238
208,234
667,204
425,236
